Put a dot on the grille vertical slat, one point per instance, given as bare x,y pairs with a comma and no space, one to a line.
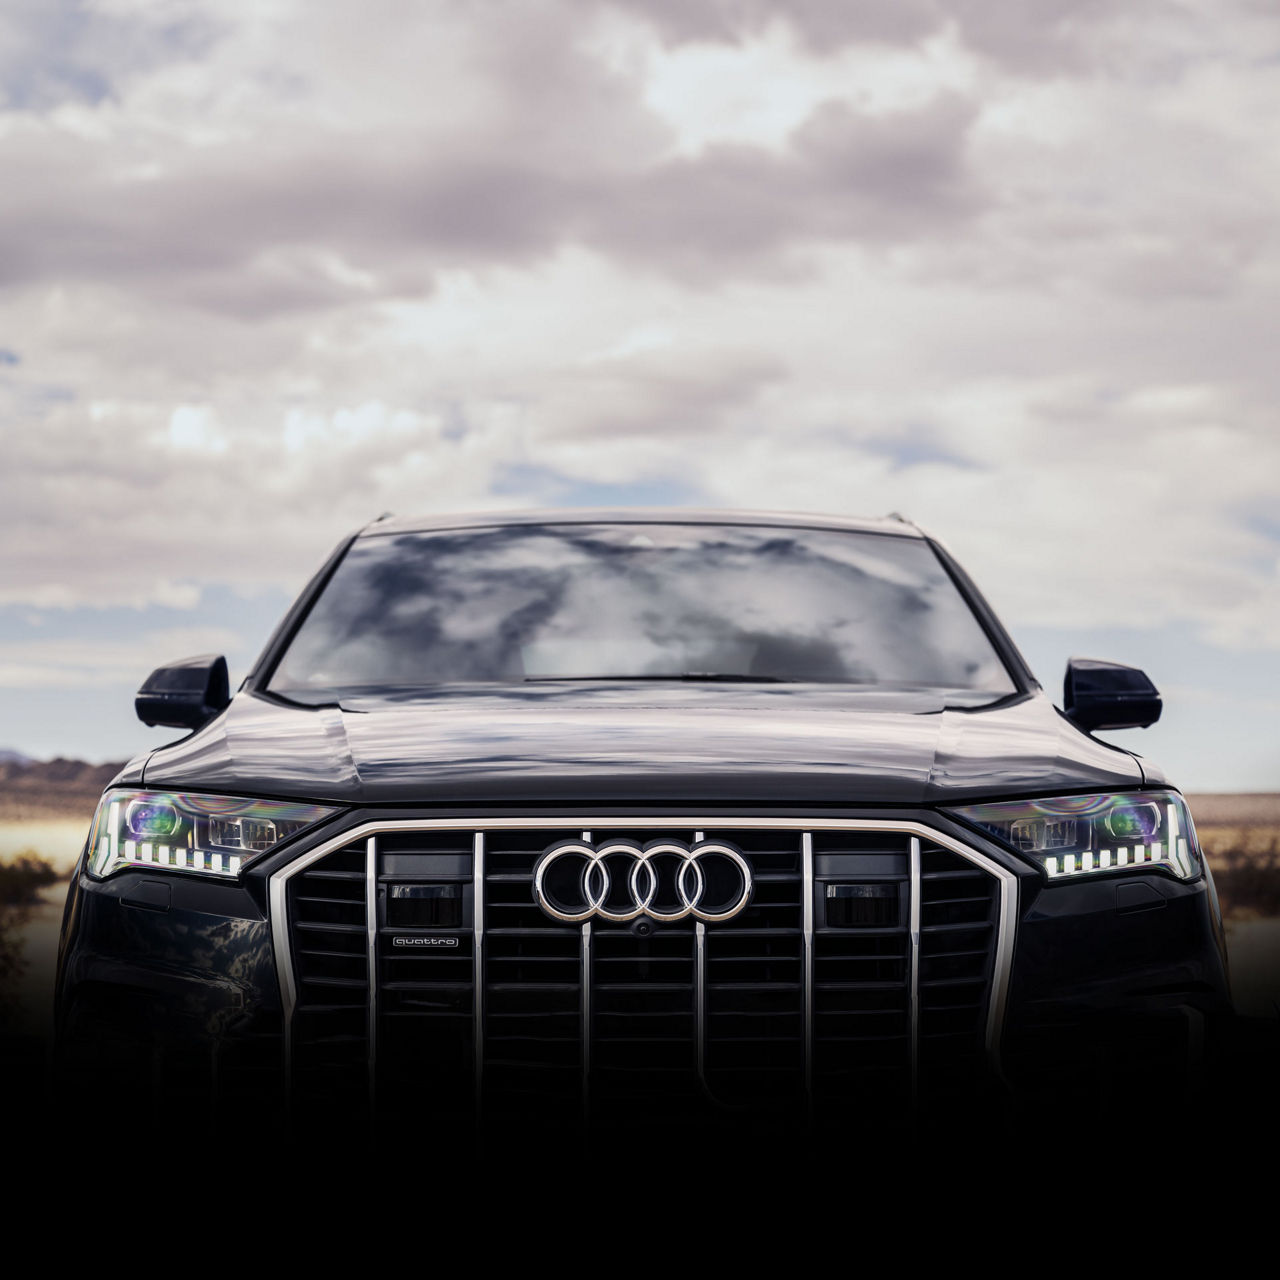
477,966
371,925
588,1030
913,941
808,890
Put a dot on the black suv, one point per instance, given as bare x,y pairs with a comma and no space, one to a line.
560,817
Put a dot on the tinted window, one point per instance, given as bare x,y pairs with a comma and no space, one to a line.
639,601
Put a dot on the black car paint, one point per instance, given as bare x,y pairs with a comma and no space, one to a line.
186,953
631,744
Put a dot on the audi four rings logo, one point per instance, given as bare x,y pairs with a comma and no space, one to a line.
621,880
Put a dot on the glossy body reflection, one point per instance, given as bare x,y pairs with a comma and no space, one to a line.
929,886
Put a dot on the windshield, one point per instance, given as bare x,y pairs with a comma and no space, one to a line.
525,603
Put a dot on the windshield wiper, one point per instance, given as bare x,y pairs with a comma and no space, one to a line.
728,677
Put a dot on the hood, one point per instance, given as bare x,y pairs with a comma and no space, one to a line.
622,744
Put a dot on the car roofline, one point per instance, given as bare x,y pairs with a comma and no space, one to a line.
384,526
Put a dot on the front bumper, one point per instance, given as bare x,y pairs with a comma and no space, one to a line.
193,985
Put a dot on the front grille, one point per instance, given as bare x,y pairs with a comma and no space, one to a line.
866,966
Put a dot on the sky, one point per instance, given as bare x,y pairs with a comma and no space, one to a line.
269,269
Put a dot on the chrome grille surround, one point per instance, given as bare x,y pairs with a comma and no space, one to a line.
804,831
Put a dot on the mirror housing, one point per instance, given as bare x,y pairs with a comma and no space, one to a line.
1107,695
185,694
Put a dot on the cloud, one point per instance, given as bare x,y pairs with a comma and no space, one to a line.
295,165
320,222
846,177
1031,37
193,427
1034,36
1008,269
92,662
820,23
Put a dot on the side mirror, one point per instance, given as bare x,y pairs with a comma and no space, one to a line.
1106,695
185,694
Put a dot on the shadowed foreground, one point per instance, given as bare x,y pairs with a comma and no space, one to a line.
1236,1082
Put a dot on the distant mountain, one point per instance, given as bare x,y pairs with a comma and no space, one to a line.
59,771
39,789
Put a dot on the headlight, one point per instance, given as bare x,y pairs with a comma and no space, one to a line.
1084,835
177,831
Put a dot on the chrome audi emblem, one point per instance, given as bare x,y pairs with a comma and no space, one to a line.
621,880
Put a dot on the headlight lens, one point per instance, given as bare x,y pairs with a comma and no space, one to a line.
176,831
1073,836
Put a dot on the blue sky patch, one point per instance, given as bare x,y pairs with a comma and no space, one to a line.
916,446
65,51
551,488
